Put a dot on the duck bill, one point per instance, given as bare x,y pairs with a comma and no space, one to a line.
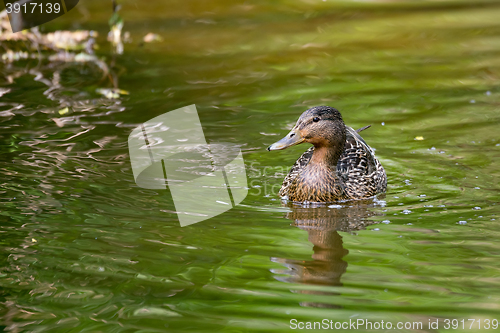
293,138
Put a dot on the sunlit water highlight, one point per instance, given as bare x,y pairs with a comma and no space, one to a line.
86,250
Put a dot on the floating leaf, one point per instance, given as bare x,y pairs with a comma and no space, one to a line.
112,93
151,37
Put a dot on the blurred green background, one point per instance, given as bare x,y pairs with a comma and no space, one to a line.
83,249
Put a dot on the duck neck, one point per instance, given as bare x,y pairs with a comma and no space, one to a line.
326,155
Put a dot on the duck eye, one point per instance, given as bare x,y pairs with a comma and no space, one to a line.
316,119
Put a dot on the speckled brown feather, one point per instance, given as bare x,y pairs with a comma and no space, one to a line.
357,175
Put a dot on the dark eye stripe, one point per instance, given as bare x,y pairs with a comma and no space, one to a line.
304,124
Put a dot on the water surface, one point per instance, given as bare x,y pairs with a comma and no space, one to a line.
86,250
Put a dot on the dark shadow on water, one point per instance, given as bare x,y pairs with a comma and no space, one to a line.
327,265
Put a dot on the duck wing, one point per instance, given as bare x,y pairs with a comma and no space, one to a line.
294,171
361,172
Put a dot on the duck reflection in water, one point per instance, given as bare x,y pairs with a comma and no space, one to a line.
327,265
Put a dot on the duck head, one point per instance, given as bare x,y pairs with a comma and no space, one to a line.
321,126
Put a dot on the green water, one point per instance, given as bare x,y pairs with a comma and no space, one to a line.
83,249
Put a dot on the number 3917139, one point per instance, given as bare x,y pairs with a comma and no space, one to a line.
33,7
470,324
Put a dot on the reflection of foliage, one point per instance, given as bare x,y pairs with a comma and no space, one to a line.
54,41
55,52
22,45
115,32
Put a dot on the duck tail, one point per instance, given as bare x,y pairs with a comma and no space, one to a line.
363,128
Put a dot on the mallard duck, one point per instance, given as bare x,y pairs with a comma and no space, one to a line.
339,165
